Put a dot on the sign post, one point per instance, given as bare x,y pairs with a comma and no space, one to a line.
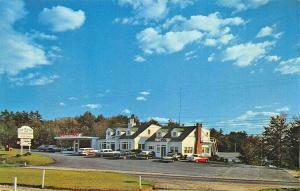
25,134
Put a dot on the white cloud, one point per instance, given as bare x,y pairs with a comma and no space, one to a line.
41,36
151,10
62,18
145,93
151,41
62,104
242,5
139,58
248,120
211,57
91,106
178,32
190,55
283,109
291,66
245,54
73,98
126,111
33,79
273,58
141,98
159,119
18,51
268,31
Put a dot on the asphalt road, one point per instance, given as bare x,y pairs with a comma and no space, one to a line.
178,168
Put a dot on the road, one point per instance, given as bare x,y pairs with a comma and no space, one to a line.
178,169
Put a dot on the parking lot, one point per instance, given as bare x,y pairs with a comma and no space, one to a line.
235,171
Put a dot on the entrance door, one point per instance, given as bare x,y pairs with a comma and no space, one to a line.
113,146
163,151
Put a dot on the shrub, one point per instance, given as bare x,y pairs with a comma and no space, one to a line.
27,154
18,155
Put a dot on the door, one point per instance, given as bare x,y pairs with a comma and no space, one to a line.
113,146
163,151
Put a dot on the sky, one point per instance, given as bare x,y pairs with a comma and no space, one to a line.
229,64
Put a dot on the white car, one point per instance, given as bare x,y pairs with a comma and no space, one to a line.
86,151
193,157
108,153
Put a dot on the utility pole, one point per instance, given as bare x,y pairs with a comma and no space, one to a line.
179,117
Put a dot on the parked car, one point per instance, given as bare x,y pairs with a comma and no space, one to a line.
86,151
193,157
128,155
48,148
201,160
145,155
108,153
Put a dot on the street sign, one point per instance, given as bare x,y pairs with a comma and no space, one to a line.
25,132
25,142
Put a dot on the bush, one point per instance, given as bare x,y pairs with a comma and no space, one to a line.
27,154
18,155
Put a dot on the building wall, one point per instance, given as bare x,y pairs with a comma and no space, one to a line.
189,141
142,137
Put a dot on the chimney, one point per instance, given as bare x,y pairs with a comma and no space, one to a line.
131,122
198,145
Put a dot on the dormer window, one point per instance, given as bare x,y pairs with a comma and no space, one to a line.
158,134
128,132
108,133
174,134
118,133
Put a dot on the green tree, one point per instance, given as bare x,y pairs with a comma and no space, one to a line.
276,140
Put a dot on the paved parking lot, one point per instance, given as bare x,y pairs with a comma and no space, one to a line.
176,168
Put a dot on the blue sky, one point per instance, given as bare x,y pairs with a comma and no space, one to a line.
236,62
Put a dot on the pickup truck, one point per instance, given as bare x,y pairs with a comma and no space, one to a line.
108,153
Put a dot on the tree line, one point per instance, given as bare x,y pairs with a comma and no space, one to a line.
277,145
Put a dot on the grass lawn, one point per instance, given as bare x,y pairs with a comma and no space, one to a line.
281,189
9,158
65,179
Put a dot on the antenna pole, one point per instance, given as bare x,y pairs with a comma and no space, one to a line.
180,92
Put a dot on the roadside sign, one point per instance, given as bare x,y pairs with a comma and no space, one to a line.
25,142
25,132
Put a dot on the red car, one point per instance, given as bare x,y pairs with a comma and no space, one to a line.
201,160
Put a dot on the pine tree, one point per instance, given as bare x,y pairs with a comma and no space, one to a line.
276,141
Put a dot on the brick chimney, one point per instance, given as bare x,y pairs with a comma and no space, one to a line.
198,145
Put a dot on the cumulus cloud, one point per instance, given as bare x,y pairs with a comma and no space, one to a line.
91,106
283,109
141,98
268,31
242,5
178,32
139,58
62,18
73,98
18,51
291,66
273,58
151,41
211,57
41,36
150,10
126,111
33,79
245,54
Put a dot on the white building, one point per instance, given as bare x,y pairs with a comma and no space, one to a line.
186,140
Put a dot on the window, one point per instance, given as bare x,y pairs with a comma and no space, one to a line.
141,146
124,145
149,131
118,133
188,149
128,132
158,134
205,150
174,149
151,147
158,148
174,134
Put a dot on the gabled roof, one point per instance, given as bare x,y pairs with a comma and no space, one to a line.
138,130
186,130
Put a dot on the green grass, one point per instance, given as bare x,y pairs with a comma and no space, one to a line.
65,179
9,158
281,189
